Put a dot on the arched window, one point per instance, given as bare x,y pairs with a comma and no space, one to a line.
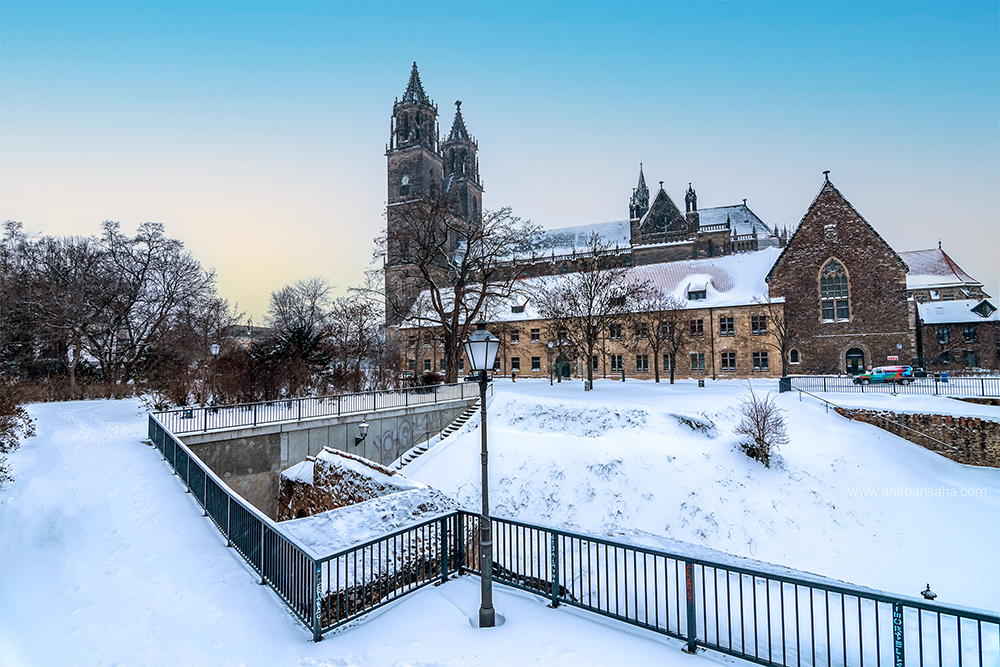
833,294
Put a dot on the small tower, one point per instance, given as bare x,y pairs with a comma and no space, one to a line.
690,200
460,152
639,203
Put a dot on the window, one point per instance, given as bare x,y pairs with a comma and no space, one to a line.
517,309
642,330
726,327
461,365
536,363
793,356
616,363
833,293
666,362
944,336
562,333
427,365
515,363
945,357
442,366
697,327
427,340
617,302
970,359
697,361
614,331
667,330
729,361
642,363
969,333
697,295
948,297
760,361
413,364
593,362
758,325
515,337
536,335
413,341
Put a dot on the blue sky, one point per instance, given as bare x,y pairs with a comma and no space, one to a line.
256,131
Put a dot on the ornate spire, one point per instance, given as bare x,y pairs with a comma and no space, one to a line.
414,89
639,203
458,131
642,182
690,199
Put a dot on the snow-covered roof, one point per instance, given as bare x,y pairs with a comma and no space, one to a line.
731,280
565,240
934,269
741,218
956,312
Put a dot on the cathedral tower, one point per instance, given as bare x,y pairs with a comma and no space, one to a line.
639,203
461,168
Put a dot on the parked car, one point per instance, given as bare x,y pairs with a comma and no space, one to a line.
886,374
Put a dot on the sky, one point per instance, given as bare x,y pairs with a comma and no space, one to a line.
256,132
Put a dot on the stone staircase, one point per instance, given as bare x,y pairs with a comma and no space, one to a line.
459,421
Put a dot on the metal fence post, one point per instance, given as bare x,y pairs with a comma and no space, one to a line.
897,635
204,420
317,620
555,570
692,629
460,542
263,530
444,549
229,516
300,410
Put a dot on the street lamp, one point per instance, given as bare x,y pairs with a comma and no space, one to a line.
363,430
214,349
481,348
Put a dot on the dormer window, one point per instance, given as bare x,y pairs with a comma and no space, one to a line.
517,309
697,295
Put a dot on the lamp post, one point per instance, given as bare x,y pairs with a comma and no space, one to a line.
481,348
214,349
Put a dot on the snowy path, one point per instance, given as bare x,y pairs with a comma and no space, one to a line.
106,561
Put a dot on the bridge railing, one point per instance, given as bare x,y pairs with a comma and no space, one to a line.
210,418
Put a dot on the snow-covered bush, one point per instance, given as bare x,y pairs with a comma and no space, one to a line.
15,425
762,428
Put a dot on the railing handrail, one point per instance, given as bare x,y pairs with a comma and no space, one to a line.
820,581
324,397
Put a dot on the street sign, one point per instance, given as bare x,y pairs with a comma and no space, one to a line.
892,357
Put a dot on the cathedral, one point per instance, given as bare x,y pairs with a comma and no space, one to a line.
845,299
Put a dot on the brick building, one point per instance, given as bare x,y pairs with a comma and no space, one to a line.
845,291
956,335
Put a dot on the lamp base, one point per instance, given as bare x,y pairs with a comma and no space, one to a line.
498,620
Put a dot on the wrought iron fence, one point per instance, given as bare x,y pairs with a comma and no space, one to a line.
770,617
951,386
209,418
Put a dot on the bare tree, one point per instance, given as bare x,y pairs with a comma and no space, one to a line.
589,300
299,316
656,324
356,333
443,270
762,426
780,334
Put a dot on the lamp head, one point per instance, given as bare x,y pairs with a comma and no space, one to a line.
481,348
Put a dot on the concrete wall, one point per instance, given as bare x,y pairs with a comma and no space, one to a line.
251,459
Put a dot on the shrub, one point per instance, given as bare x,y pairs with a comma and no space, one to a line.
762,427
15,424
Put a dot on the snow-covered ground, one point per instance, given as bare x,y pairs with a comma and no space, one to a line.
104,559
848,500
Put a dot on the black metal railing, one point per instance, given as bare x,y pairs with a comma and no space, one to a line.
210,418
761,613
773,618
951,386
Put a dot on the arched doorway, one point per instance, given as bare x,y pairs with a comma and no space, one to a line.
562,367
855,361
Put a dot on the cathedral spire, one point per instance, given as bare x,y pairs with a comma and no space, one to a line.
639,203
414,89
458,131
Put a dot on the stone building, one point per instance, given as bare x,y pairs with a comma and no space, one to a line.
954,335
725,318
849,299
845,291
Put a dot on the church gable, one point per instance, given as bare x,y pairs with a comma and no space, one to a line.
663,222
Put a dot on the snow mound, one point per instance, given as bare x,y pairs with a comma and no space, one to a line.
343,527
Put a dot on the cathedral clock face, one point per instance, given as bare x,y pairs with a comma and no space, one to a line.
406,179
